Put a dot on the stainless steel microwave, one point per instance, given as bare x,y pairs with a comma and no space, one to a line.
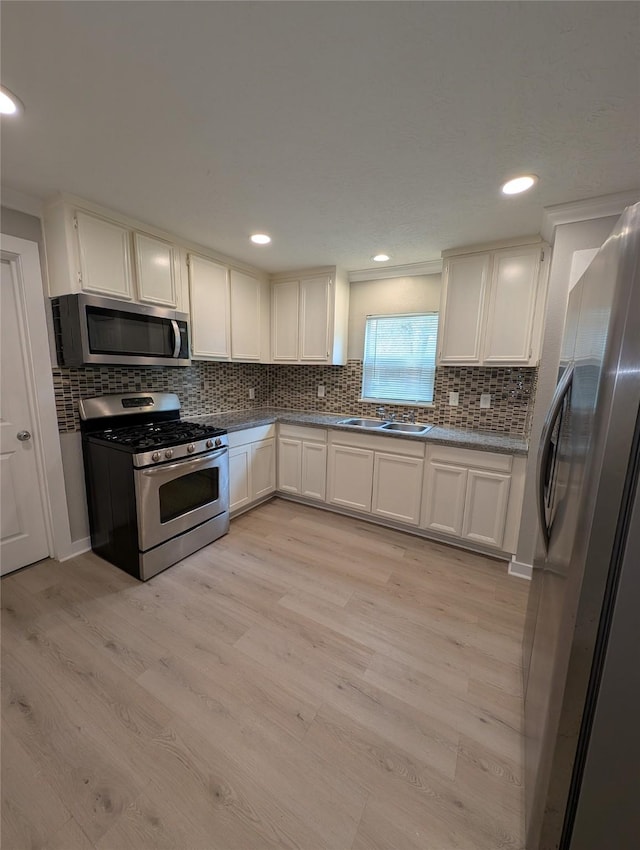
95,331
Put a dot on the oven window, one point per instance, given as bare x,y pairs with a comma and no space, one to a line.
188,492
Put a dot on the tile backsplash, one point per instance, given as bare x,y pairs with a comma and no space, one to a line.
512,393
207,387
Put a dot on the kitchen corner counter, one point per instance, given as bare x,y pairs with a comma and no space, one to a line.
489,441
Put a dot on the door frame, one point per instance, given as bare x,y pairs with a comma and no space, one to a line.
24,254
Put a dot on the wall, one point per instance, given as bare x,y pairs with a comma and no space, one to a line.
419,294
569,238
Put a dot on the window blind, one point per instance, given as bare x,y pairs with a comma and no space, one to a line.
400,357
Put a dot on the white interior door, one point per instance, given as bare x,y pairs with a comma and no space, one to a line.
23,532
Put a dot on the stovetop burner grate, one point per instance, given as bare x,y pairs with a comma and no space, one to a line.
158,435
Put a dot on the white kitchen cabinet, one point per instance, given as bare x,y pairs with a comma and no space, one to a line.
239,487
397,487
485,508
302,461
444,497
156,270
245,316
313,484
90,249
252,467
309,315
473,495
350,472
289,464
104,252
285,311
229,312
492,306
209,297
263,468
380,475
465,281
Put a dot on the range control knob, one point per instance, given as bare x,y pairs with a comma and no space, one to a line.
191,448
155,456
218,442
168,453
209,444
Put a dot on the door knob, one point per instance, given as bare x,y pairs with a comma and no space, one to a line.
23,436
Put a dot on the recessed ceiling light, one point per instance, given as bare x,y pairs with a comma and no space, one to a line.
381,258
519,184
9,103
261,238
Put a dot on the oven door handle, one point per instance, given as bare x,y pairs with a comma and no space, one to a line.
176,338
183,465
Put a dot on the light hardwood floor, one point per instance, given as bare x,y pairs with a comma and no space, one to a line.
307,682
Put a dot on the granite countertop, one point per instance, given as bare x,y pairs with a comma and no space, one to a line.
489,441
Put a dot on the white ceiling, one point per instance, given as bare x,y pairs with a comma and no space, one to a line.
340,128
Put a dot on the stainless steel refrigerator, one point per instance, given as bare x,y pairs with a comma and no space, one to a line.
582,638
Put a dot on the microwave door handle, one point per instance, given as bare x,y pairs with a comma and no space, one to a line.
546,443
176,338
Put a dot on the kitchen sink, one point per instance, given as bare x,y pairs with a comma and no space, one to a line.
361,423
406,427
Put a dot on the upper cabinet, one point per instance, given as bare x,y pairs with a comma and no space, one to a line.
229,312
156,262
492,306
88,250
104,254
309,316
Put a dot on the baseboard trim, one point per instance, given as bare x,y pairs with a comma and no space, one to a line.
520,570
77,548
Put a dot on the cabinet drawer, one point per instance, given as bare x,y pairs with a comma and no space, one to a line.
251,435
470,458
303,432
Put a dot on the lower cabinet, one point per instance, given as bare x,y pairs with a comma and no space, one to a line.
252,456
350,477
366,473
473,495
397,487
302,461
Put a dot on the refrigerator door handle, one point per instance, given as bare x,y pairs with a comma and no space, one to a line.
544,453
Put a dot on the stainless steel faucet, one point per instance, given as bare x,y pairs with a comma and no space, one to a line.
410,416
381,412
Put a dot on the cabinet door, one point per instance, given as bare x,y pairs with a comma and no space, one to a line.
314,471
155,270
284,320
104,250
239,471
209,296
245,316
397,487
314,318
289,465
263,469
462,314
485,509
350,477
511,308
444,497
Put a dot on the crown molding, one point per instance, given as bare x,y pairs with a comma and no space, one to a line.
600,207
409,270
14,200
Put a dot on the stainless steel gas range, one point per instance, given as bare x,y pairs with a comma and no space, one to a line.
157,486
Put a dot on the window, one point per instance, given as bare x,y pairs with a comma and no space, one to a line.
400,358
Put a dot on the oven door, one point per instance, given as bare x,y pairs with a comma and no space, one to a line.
176,497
